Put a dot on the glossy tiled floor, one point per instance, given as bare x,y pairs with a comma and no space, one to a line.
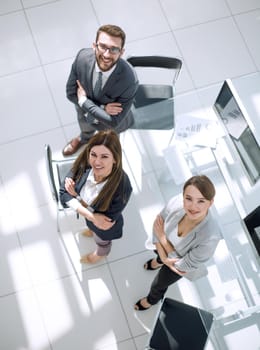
48,301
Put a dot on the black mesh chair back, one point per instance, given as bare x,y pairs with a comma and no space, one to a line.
56,171
154,104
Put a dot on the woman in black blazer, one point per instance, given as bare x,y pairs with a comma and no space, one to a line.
98,189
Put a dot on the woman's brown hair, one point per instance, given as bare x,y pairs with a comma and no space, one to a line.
109,139
203,184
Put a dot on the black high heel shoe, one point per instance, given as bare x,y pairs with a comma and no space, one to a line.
148,265
139,307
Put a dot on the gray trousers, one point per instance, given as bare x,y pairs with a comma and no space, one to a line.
103,247
87,130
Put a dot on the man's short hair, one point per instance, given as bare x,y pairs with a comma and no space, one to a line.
113,31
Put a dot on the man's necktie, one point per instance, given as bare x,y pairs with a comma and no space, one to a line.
98,85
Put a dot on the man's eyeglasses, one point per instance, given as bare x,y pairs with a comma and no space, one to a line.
103,48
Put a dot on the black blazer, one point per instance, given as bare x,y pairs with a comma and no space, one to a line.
121,87
114,212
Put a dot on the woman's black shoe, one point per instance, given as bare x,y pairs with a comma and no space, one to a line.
148,265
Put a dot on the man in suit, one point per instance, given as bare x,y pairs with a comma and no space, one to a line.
102,101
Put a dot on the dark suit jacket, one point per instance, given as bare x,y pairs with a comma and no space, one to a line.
114,211
120,87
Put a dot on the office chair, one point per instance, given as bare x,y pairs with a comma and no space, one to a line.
153,107
180,327
56,171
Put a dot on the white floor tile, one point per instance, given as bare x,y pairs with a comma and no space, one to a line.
132,20
4,209
73,308
208,46
249,26
13,268
141,341
11,5
33,3
21,325
238,6
187,13
124,345
27,176
57,75
134,285
64,38
44,253
18,42
33,110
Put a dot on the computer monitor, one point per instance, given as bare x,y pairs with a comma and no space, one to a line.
230,109
180,326
252,222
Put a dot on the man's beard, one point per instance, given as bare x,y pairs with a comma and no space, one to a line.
104,67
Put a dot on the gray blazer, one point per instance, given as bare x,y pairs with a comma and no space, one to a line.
121,87
195,249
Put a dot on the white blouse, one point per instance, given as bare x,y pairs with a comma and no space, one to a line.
173,237
89,191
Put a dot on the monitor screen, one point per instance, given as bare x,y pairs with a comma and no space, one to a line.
230,109
252,222
230,112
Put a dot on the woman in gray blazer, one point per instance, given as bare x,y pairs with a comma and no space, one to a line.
98,189
185,236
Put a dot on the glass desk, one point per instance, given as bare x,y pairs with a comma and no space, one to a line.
231,289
